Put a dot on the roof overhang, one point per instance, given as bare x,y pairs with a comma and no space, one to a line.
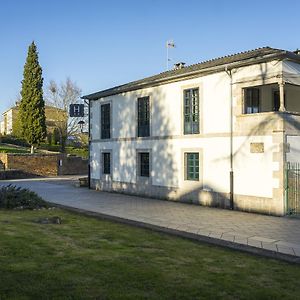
187,74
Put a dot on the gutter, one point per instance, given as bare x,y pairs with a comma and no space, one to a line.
89,142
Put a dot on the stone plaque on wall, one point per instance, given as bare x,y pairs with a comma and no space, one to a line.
257,148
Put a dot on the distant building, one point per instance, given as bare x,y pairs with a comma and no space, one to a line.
10,122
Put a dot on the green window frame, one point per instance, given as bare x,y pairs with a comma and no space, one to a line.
105,121
191,111
252,99
106,162
143,117
192,166
144,164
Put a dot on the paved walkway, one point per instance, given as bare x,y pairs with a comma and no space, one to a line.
279,235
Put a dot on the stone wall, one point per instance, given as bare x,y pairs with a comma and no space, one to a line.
45,164
72,165
15,174
3,159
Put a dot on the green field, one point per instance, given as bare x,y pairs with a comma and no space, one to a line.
83,152
12,149
87,258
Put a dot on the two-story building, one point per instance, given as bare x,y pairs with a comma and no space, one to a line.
216,133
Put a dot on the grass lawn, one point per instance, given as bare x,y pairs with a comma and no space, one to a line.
12,149
87,258
83,152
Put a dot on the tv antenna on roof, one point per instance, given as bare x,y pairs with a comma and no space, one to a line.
169,44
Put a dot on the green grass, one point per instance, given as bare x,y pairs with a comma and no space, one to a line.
83,152
87,258
12,149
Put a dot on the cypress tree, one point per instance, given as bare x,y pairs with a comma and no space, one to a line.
32,105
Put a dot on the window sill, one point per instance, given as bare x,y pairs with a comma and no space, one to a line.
269,113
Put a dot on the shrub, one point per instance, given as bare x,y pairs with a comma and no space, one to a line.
8,139
12,197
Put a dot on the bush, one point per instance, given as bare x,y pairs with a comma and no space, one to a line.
8,139
12,197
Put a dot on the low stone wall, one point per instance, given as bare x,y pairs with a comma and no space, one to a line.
38,164
72,165
3,159
45,164
15,174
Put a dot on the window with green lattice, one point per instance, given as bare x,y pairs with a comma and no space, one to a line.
106,162
143,117
191,111
192,166
105,121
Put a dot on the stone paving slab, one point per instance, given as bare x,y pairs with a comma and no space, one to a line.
248,231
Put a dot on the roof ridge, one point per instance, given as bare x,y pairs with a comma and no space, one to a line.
225,56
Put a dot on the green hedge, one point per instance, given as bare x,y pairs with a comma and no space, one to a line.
12,197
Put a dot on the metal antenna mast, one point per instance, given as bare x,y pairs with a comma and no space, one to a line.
169,44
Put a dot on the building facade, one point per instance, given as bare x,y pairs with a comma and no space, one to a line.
217,133
10,122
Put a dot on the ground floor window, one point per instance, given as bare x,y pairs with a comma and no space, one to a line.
192,166
144,164
106,162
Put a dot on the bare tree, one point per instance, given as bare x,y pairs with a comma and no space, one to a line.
61,96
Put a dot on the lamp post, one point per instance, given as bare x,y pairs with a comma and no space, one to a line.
81,123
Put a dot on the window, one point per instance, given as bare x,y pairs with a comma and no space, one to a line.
276,100
105,121
144,164
143,117
106,162
192,166
251,100
191,111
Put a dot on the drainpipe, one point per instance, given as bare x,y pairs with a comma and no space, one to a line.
89,143
231,174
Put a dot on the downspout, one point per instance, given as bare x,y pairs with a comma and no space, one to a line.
231,173
89,142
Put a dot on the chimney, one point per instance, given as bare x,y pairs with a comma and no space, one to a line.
179,65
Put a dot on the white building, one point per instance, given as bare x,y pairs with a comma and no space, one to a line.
216,133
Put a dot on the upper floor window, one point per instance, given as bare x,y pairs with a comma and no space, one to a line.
105,121
143,117
191,111
251,100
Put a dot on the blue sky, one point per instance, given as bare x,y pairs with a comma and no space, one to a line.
99,44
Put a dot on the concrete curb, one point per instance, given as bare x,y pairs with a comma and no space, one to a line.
188,235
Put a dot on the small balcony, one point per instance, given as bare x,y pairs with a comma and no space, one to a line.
269,108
